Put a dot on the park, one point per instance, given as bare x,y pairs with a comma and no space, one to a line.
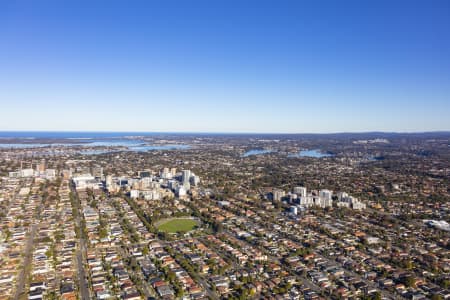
175,225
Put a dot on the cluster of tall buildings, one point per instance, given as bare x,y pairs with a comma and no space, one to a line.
147,185
40,170
183,183
301,199
345,200
155,186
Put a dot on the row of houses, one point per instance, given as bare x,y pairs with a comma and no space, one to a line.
108,275
19,199
53,265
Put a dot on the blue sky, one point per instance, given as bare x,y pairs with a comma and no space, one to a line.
225,66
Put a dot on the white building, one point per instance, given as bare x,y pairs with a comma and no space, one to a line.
300,191
358,205
152,195
185,176
26,173
85,181
109,180
350,202
325,194
181,191
14,174
166,174
306,201
278,195
194,180
134,194
145,182
50,173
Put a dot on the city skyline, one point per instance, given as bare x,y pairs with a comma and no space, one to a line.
232,67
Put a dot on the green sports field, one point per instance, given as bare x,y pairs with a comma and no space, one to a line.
177,225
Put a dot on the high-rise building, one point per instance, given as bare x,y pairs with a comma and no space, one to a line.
186,176
278,195
27,173
306,201
109,180
166,174
97,172
195,180
134,194
145,182
325,194
300,191
181,191
342,196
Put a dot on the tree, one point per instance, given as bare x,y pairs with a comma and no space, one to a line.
409,265
377,296
410,281
436,297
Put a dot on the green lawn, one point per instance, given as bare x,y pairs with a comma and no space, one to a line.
177,225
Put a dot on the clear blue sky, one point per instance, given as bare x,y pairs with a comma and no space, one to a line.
225,66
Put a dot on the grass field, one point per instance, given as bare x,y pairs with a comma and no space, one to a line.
177,225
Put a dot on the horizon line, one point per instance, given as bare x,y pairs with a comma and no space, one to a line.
225,132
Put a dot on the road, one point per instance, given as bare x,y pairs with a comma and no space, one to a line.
82,278
81,254
26,263
21,279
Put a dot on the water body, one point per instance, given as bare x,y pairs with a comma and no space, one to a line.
90,143
34,145
27,140
159,147
114,143
72,135
96,152
142,148
256,152
312,153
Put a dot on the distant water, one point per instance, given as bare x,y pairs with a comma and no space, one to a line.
72,135
32,145
96,152
312,153
256,152
83,135
160,147
114,143
87,143
143,148
127,140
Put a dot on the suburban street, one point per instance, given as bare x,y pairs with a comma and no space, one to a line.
81,254
21,279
